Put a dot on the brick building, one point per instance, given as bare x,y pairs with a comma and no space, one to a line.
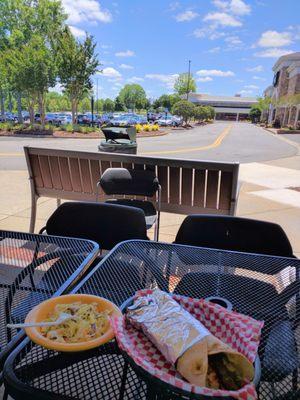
285,91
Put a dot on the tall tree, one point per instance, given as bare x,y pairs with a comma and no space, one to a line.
119,105
133,96
108,105
33,71
184,109
25,24
185,84
77,62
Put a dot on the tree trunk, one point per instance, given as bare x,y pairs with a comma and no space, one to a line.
19,106
31,108
10,106
74,105
41,100
2,103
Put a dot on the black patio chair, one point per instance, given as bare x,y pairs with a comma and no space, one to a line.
106,224
131,182
234,233
258,298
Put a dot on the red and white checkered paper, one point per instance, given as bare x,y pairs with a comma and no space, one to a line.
240,332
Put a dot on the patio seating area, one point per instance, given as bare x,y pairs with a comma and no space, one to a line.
104,232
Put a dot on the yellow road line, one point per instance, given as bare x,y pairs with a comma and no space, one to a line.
11,154
213,145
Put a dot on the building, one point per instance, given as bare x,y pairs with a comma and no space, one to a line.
285,92
226,107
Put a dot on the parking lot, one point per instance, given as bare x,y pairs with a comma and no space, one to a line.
221,141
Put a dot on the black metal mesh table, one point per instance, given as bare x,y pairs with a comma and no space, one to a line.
265,287
32,269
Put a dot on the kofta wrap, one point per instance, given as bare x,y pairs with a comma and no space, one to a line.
201,358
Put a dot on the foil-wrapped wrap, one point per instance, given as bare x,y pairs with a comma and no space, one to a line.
172,329
200,357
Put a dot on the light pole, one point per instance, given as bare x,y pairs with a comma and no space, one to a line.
188,81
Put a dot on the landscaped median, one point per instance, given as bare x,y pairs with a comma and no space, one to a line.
72,131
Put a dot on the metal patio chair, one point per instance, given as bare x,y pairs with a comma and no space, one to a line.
132,183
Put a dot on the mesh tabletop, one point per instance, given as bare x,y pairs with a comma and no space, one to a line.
264,287
32,269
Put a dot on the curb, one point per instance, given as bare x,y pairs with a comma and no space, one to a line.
284,139
163,133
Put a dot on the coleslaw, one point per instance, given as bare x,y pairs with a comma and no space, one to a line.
87,323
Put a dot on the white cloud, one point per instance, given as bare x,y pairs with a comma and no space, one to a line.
187,15
214,50
174,5
251,87
258,68
275,39
110,72
237,7
273,53
214,72
135,79
166,79
57,88
245,91
78,33
126,66
233,40
258,78
85,11
222,19
209,32
220,4
205,79
126,53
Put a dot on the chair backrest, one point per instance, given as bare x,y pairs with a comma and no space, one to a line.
129,182
188,186
234,233
106,224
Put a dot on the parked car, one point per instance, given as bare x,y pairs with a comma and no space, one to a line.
50,118
83,119
65,119
169,120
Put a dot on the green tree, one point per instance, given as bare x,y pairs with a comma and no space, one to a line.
85,105
119,105
185,84
210,112
184,109
32,71
77,62
255,113
133,96
99,105
166,101
108,105
32,28
200,113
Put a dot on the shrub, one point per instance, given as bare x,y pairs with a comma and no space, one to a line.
138,128
148,128
155,127
184,109
69,128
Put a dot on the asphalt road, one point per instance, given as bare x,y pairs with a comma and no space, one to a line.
221,141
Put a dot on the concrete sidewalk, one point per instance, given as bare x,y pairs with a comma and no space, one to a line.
268,192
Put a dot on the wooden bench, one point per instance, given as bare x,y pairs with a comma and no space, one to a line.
188,186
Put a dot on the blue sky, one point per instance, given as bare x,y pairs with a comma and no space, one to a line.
232,44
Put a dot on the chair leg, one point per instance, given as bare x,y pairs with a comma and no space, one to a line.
5,394
97,191
33,212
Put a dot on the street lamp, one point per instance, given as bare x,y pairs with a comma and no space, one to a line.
92,109
188,82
